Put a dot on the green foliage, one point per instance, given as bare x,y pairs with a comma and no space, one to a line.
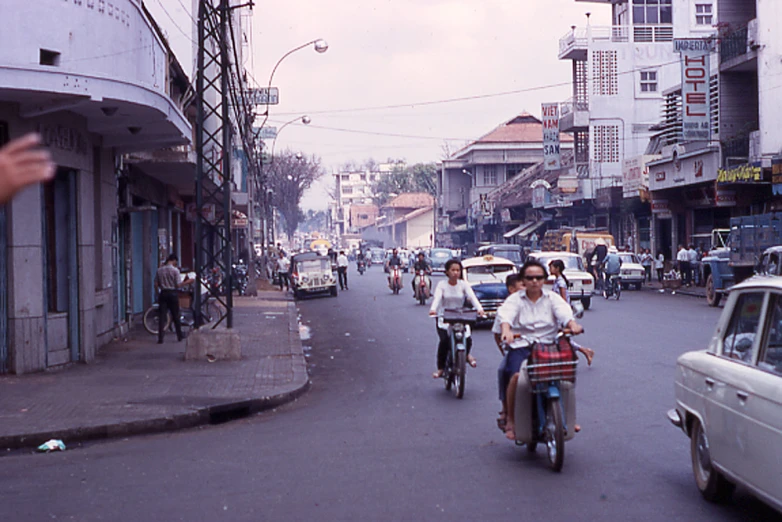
421,177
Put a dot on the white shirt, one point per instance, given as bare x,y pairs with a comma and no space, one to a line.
659,261
692,255
683,256
283,264
342,260
450,296
538,321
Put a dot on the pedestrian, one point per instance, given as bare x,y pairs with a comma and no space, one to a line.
283,265
646,262
659,265
694,265
22,163
167,283
342,270
683,259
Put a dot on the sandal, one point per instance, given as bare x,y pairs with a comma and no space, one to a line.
472,361
437,375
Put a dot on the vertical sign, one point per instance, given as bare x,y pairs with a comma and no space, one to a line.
696,72
551,150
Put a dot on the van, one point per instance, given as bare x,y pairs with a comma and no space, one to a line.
507,251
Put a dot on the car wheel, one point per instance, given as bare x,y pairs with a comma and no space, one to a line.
638,286
712,296
711,483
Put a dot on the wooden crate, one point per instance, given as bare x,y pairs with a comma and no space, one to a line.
672,284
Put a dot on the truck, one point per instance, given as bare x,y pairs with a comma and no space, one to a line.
737,259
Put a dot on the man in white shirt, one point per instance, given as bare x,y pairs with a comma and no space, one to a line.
342,270
537,315
683,258
283,265
692,256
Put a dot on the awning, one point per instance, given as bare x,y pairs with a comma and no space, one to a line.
524,230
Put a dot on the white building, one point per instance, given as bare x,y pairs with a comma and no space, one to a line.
355,188
620,73
94,79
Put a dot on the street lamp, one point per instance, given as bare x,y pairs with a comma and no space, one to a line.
304,120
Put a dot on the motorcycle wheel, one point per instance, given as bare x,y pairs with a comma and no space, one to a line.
151,323
422,297
554,435
448,373
460,372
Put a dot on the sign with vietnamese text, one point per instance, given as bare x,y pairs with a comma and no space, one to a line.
264,96
696,73
725,198
635,175
740,174
551,146
265,133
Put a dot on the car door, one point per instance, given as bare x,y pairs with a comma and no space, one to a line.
763,409
729,389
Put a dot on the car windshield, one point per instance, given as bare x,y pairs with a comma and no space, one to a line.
571,262
314,265
441,253
512,255
485,273
628,258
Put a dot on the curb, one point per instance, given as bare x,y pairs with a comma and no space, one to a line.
210,415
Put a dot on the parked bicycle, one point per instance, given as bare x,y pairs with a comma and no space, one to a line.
211,311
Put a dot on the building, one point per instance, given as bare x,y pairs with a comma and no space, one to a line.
620,75
698,185
97,83
408,221
355,187
465,214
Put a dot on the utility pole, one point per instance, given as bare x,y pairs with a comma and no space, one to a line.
213,161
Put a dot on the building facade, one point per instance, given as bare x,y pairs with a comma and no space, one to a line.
95,80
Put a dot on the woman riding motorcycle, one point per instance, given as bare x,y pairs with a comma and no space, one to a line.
451,294
536,315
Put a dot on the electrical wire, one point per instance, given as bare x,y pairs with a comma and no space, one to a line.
189,37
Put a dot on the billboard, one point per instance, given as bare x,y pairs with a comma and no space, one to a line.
696,72
551,147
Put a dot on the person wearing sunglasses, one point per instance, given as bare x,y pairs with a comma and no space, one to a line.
537,315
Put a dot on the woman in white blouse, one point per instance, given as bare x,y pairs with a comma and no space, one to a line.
452,293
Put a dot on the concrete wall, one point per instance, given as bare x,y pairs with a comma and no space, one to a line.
769,15
420,230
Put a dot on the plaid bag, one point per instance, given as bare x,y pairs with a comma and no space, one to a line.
549,362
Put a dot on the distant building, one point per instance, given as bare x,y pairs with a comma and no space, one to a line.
355,188
408,220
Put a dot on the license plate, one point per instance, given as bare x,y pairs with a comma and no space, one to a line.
317,289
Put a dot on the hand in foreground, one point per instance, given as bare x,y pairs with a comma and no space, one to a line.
507,337
22,164
574,328
432,313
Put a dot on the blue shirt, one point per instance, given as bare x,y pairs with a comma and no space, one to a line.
612,264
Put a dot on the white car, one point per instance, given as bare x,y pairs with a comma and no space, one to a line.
632,271
729,396
582,284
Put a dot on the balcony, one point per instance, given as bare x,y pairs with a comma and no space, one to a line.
573,115
738,49
575,44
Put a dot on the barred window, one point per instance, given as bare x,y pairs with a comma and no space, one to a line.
604,73
648,81
704,14
606,141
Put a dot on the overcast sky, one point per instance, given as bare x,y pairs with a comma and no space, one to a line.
405,53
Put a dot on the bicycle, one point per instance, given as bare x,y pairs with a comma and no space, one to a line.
210,311
613,286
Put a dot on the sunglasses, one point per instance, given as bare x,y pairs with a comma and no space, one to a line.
535,278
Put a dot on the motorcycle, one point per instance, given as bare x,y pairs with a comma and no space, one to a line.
396,279
361,267
422,286
239,273
455,370
545,401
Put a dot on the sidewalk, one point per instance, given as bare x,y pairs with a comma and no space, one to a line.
693,291
137,386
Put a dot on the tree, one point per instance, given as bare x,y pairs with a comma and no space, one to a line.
289,175
421,177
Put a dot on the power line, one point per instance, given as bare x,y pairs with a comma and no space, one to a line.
160,3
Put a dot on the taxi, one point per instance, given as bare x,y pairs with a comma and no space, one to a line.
486,275
310,273
582,284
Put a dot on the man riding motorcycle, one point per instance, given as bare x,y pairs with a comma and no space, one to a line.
421,264
537,314
393,261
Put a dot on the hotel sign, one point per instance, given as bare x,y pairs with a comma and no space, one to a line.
696,103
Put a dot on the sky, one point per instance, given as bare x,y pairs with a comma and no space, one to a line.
387,84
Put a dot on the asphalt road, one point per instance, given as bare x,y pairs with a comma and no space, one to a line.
378,439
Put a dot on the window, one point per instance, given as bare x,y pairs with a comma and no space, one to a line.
490,175
604,73
363,177
606,143
58,213
703,14
743,328
347,190
648,81
346,177
771,358
652,12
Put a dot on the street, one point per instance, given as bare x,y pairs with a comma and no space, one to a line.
376,438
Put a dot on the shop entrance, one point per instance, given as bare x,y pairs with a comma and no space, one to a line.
664,231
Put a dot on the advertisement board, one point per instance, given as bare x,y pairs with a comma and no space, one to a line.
696,103
551,148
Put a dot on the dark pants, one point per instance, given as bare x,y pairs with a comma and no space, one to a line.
684,268
648,269
168,300
444,346
659,275
342,272
284,280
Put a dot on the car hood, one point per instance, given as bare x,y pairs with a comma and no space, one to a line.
490,290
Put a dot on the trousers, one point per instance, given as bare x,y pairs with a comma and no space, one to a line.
168,300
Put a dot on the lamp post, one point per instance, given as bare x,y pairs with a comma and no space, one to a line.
305,120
